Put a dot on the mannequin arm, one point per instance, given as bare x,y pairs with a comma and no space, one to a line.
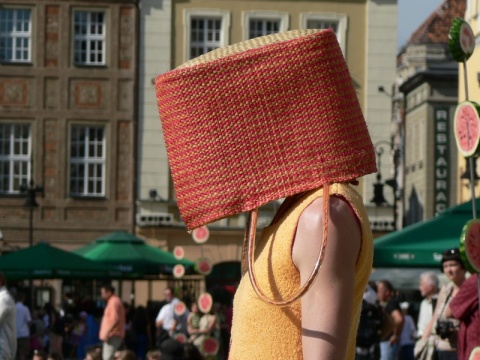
327,306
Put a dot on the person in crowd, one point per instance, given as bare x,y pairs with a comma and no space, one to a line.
408,335
389,348
208,325
193,321
369,327
153,355
38,330
125,355
140,328
39,355
165,319
8,332
464,307
79,329
112,328
24,319
442,329
94,354
55,326
429,291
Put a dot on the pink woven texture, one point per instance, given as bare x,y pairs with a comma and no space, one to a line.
261,125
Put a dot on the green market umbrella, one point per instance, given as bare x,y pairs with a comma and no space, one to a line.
421,244
44,261
131,255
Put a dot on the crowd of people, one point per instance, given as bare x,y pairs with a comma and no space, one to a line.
114,331
448,322
447,325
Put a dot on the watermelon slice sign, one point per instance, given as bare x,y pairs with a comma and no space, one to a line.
470,245
205,303
178,252
203,266
178,270
475,354
461,40
181,338
467,127
180,308
200,235
210,346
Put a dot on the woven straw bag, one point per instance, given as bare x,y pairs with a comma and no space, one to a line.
259,121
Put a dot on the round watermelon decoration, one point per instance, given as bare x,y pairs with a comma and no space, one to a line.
200,235
210,346
461,40
180,308
181,338
475,354
470,245
205,303
178,252
467,127
203,266
178,270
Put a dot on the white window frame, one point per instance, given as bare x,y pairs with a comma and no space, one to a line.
18,35
89,38
86,160
189,14
341,19
16,160
264,15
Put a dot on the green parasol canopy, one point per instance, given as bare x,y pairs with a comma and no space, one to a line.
131,255
422,244
44,261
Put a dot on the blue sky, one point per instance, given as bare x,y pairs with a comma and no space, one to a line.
411,13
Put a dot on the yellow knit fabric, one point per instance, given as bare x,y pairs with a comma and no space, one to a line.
266,332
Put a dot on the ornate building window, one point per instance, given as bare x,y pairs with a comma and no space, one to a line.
89,38
261,23
87,160
15,155
205,30
334,21
15,35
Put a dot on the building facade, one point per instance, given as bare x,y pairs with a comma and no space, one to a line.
427,81
67,119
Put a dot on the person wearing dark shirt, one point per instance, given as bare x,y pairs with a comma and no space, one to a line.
464,307
389,348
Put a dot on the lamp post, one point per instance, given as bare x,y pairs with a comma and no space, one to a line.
378,197
31,203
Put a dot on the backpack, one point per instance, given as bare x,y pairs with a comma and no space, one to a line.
370,326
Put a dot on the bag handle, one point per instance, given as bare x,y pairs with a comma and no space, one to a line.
250,232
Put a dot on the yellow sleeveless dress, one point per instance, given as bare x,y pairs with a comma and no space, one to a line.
267,332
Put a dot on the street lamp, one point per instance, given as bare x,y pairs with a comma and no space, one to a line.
31,203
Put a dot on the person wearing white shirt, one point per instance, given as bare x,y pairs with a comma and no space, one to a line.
165,318
429,290
23,331
8,339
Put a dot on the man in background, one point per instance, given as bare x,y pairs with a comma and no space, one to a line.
23,327
429,291
166,317
112,328
389,348
8,338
